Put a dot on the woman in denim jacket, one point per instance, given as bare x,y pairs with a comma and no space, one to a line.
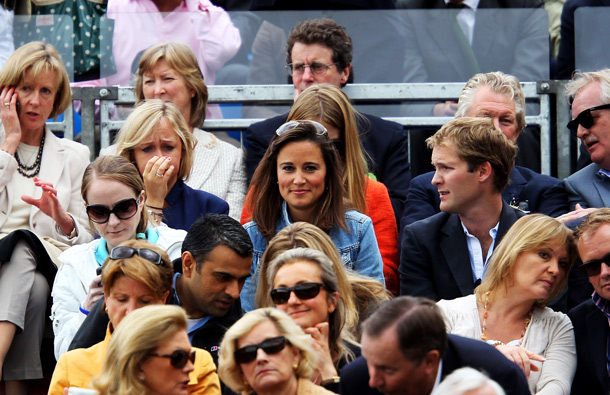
300,179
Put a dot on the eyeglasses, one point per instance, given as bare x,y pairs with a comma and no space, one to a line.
585,118
316,68
178,358
269,346
124,209
302,291
320,129
594,266
124,252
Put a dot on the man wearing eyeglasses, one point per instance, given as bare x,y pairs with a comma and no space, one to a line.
591,318
320,51
590,187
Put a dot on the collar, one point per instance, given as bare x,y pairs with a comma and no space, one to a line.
472,4
493,232
601,304
101,252
604,173
175,194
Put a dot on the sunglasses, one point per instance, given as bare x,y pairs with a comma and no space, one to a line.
178,358
594,266
124,209
585,118
320,129
302,291
124,252
269,346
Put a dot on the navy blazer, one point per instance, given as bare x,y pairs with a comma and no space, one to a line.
434,259
591,332
461,352
384,141
543,194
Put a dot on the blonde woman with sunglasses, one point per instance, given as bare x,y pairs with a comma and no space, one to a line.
114,196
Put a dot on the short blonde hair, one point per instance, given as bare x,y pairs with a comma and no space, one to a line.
138,335
158,278
147,117
37,57
580,80
592,222
229,370
182,59
529,233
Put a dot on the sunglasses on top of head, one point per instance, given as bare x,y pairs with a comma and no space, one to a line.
594,266
125,252
178,358
320,129
269,346
100,214
585,119
302,291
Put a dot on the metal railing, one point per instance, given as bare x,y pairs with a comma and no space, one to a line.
545,93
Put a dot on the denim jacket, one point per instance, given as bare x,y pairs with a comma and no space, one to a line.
358,249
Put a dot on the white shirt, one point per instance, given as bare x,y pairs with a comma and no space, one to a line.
476,251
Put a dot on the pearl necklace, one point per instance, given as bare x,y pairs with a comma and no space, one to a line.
528,319
34,169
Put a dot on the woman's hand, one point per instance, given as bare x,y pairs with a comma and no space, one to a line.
522,357
157,177
10,119
96,291
319,335
49,204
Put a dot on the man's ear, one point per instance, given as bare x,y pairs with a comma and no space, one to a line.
345,73
485,171
189,265
431,362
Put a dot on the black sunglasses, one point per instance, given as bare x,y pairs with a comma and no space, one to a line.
302,291
124,209
594,266
585,118
269,346
124,252
178,358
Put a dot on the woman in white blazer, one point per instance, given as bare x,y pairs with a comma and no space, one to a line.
170,72
41,211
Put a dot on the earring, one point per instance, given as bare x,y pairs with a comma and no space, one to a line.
141,379
295,366
245,382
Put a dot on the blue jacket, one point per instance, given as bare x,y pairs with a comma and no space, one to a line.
358,249
187,204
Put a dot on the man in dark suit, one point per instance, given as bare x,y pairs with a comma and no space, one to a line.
320,51
498,96
444,256
405,343
590,318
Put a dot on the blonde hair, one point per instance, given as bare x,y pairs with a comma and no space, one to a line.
38,57
531,232
182,59
139,334
329,104
229,370
581,80
144,119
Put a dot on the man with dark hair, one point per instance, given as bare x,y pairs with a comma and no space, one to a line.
216,260
406,350
320,51
444,256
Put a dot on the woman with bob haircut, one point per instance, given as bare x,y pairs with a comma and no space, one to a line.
331,107
114,194
170,72
134,275
300,178
150,353
285,349
359,293
528,269
157,140
41,211
305,285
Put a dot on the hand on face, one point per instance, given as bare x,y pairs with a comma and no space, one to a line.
319,337
158,179
9,116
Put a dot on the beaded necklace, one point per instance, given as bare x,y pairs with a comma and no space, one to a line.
528,319
34,169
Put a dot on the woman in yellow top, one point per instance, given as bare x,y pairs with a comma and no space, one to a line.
135,274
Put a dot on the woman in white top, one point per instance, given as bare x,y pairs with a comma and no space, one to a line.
114,194
528,269
170,72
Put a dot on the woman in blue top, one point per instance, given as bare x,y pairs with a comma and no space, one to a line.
114,195
300,179
157,139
